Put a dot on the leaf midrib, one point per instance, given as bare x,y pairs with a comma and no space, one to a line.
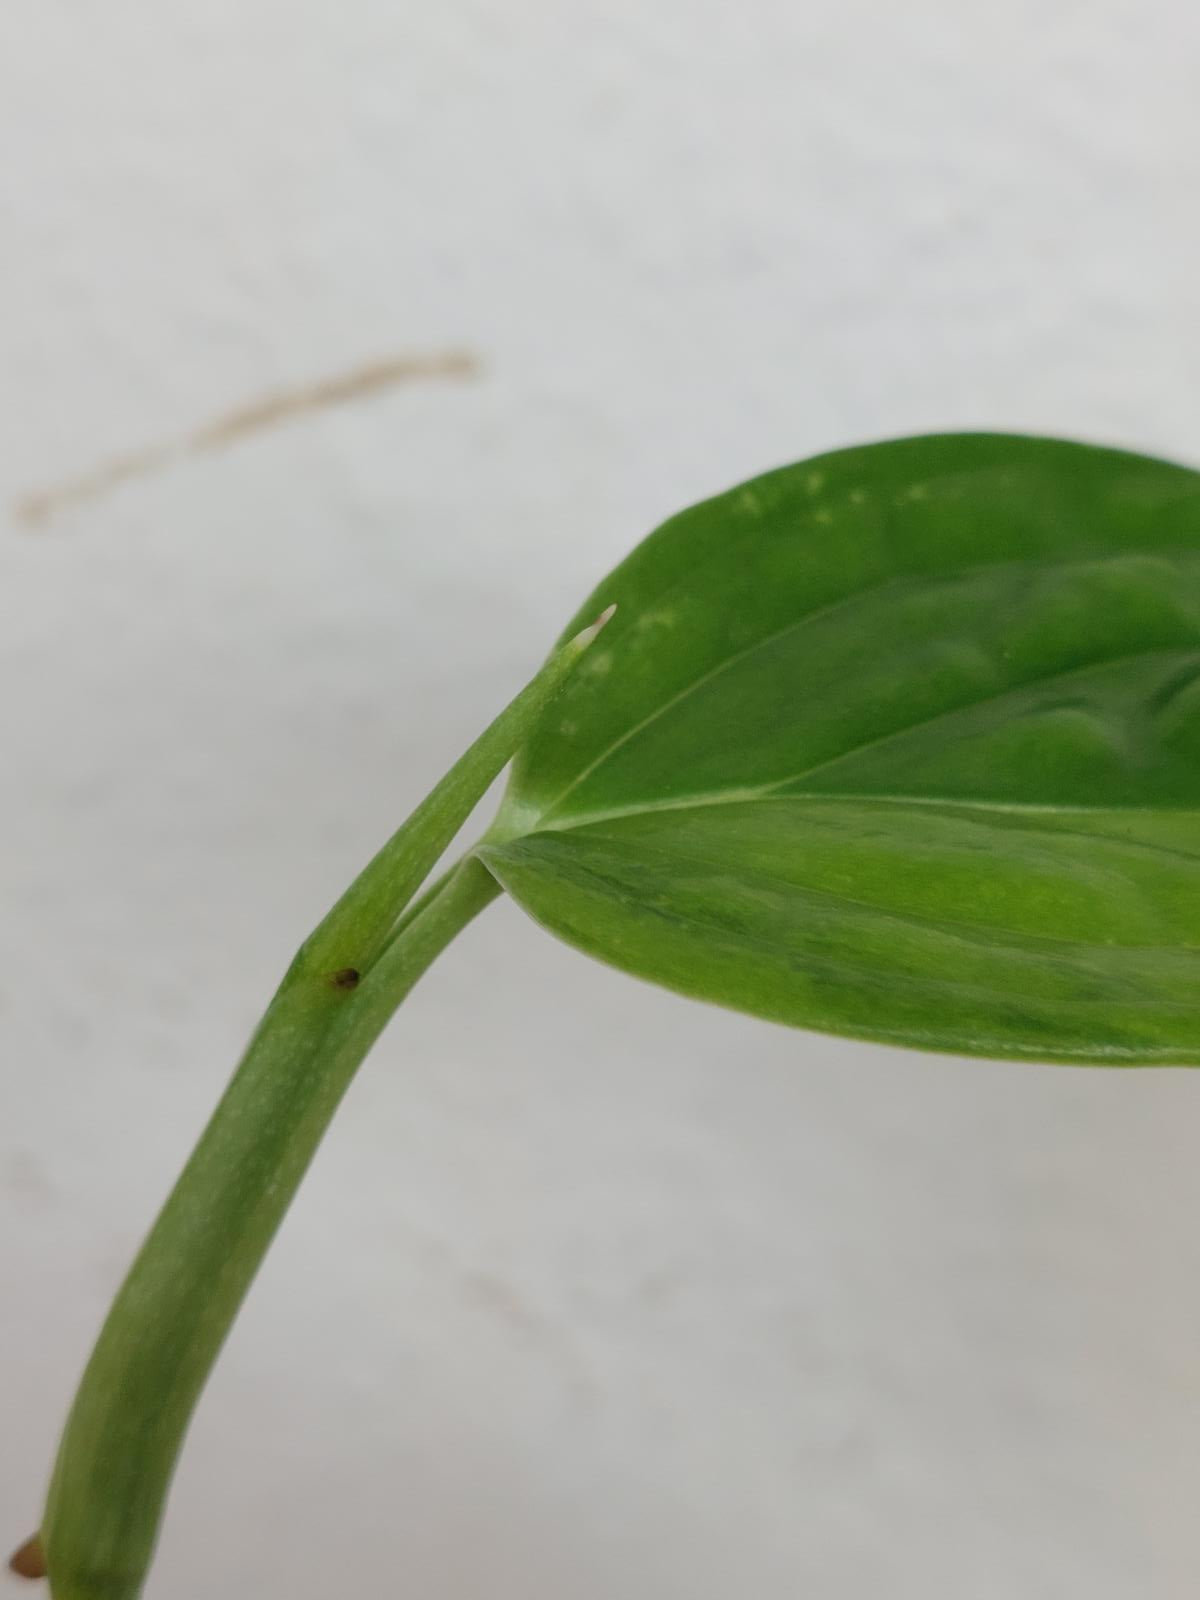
949,804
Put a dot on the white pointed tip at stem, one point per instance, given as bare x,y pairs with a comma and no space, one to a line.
585,637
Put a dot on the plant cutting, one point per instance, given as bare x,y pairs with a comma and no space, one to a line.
902,742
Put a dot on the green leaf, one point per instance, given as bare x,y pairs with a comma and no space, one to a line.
902,742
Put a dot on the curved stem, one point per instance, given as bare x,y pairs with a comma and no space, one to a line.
183,1291
172,1313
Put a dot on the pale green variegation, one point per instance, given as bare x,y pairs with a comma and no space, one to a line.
903,742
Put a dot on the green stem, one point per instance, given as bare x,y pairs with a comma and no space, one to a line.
177,1304
183,1291
353,932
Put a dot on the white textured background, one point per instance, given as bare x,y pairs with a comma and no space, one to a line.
593,1294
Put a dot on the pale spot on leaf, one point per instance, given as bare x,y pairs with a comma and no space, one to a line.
664,617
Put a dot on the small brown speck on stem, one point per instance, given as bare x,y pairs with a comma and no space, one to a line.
30,1560
347,978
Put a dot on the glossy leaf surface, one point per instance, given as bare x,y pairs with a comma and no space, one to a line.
902,742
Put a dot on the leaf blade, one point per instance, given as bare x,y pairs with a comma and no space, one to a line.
993,622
